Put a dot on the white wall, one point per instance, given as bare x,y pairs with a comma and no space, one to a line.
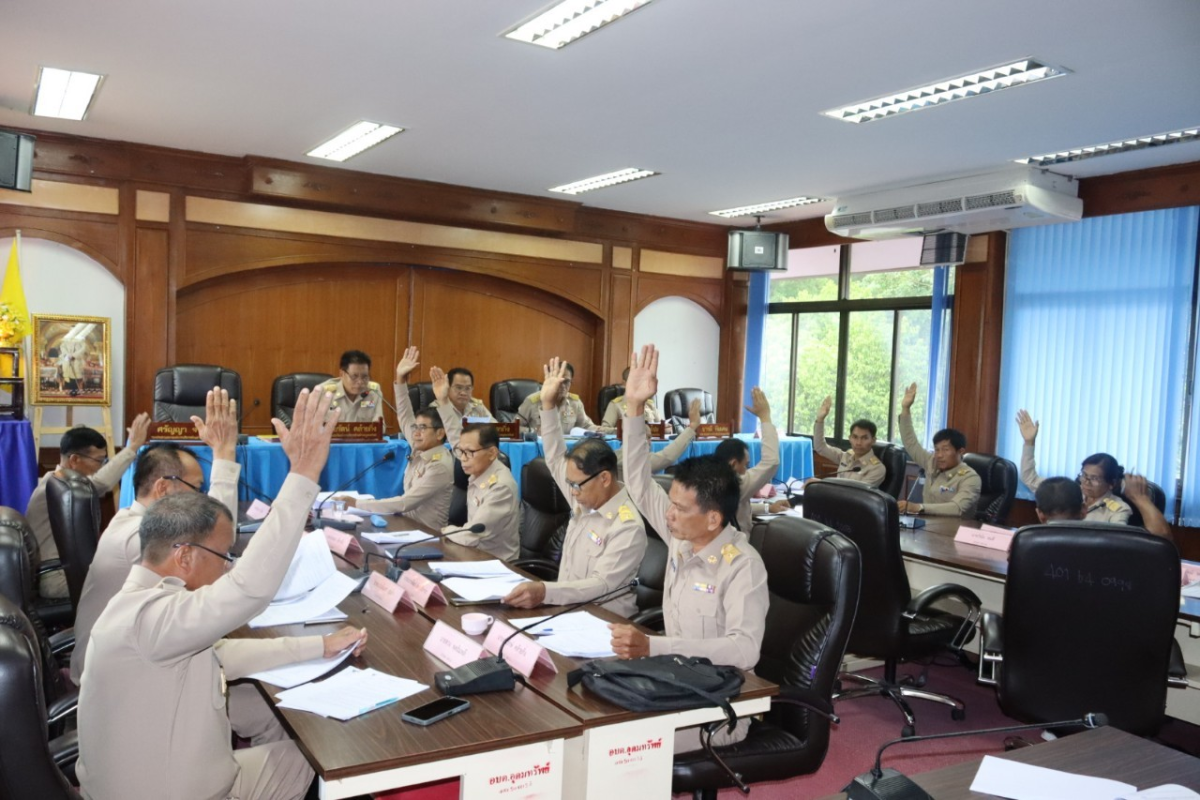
61,280
689,341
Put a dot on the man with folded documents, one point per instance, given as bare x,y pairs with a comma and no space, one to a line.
605,538
715,589
152,707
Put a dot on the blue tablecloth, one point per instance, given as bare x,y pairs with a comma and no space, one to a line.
264,466
18,463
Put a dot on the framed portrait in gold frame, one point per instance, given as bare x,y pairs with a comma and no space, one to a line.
71,364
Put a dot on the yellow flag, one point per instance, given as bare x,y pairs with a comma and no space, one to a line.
12,295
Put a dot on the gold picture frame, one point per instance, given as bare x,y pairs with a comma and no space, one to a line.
72,362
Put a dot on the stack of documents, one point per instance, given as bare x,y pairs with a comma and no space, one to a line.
349,694
290,675
576,635
397,537
311,588
478,581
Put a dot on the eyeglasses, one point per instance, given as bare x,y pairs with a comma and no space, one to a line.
100,461
578,487
229,558
454,387
188,484
415,428
358,378
463,453
1094,480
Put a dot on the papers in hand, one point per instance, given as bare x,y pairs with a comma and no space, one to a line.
397,537
577,635
309,607
493,568
290,675
478,581
311,566
350,693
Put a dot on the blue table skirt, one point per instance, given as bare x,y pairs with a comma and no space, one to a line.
264,465
18,463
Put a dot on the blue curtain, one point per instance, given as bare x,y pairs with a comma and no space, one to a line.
1095,345
939,356
1190,512
756,324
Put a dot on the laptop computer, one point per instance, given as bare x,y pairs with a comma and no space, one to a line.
915,495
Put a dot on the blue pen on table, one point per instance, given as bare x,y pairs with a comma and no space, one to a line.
379,705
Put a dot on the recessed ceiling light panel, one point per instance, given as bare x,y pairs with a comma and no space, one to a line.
569,20
1112,148
762,208
1018,73
601,181
64,94
358,137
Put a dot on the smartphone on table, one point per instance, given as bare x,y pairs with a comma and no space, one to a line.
436,711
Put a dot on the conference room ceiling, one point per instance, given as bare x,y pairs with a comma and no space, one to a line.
722,98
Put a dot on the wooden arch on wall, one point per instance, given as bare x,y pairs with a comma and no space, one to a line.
91,252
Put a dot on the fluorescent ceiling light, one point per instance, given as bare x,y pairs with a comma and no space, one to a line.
358,137
600,181
1122,146
569,20
64,94
1018,73
761,208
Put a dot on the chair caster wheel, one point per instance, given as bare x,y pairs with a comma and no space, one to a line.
958,714
907,731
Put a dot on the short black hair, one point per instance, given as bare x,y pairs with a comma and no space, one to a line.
731,449
1059,498
79,439
715,483
592,456
157,461
1112,469
354,357
177,518
570,369
431,414
866,425
488,435
625,374
956,438
460,371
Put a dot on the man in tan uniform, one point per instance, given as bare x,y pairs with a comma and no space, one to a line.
616,409
162,470
605,539
567,407
674,451
737,453
715,589
462,384
859,462
429,476
152,710
1061,500
85,451
951,487
354,393
492,495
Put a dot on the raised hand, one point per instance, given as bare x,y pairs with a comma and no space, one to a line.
759,406
441,384
1029,427
642,383
910,397
694,413
306,444
823,411
218,429
138,432
554,374
408,362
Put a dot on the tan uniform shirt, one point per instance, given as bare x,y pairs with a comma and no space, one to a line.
603,546
868,469
54,583
475,409
1108,508
663,458
570,415
493,499
759,475
428,478
616,410
152,716
356,408
953,492
120,547
715,599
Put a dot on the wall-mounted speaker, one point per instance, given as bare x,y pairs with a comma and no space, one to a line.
16,161
756,250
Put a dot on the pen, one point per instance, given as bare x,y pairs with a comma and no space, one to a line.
378,705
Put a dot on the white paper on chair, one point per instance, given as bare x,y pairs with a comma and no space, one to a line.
1019,781
336,588
311,566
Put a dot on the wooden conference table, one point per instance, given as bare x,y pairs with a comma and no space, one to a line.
543,740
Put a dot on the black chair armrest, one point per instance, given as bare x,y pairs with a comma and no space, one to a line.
65,752
49,565
63,707
798,696
541,568
62,642
943,590
651,618
993,634
1176,669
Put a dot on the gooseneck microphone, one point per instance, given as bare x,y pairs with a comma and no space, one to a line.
344,525
402,563
493,674
890,784
848,471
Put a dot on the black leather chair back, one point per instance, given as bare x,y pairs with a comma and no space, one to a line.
19,578
868,517
458,496
1089,620
75,521
506,397
420,395
999,477
27,770
606,395
544,512
677,401
1157,496
180,391
285,390
652,572
895,462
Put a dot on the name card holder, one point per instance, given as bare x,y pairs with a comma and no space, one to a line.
341,542
988,536
419,590
658,430
258,510
505,430
382,592
522,653
348,432
173,432
714,430
451,647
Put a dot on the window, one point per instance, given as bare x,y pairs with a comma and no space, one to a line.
864,313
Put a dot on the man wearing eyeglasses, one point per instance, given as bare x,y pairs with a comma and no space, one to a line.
354,393
85,451
951,487
605,539
462,402
566,408
429,476
163,469
153,720
492,496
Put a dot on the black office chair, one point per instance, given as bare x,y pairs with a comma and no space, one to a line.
999,486
813,575
892,624
506,397
286,389
545,514
606,395
676,402
32,768
53,613
1089,626
1157,496
180,391
421,395
895,463
74,510
458,496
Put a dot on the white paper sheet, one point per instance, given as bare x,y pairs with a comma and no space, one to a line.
577,635
290,675
476,569
350,693
323,496
1168,791
336,588
1019,781
397,537
330,616
480,588
311,566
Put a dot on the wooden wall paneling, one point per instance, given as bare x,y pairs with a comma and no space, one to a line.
127,262
655,232
147,315
620,323
1143,190
731,368
705,292
94,235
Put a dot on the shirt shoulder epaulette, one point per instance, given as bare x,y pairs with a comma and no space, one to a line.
730,552
572,396
372,386
435,457
873,461
476,401
1112,504
533,398
626,513
492,480
964,471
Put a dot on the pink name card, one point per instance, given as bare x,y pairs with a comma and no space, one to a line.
382,592
522,653
419,590
452,647
258,510
988,536
340,542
